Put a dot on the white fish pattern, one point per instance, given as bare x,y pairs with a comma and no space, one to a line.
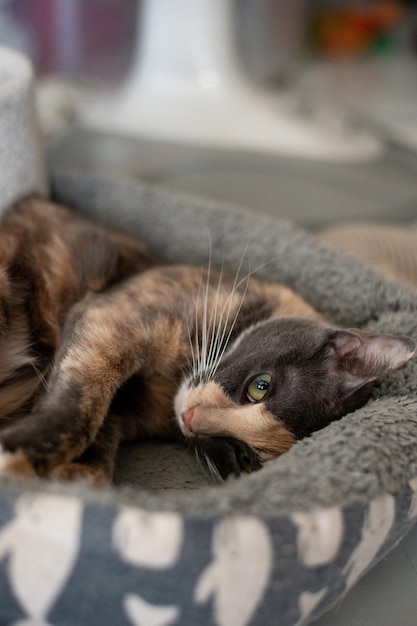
146,539
308,601
142,613
41,544
239,573
150,540
319,536
378,522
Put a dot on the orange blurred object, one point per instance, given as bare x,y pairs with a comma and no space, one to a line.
356,29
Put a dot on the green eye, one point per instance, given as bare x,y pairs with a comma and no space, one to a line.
258,387
244,462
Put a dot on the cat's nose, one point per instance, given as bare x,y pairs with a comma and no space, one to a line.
187,418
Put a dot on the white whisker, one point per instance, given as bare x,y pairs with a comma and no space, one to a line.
225,343
211,357
40,376
204,346
220,344
217,337
192,364
213,329
197,329
206,463
213,469
191,361
199,459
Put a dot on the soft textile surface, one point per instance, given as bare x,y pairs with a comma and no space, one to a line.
391,249
22,167
278,546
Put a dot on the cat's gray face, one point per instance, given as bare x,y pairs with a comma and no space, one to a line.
280,381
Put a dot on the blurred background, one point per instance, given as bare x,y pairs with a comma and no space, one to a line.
306,110
95,40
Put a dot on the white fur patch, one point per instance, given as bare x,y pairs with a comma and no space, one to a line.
180,406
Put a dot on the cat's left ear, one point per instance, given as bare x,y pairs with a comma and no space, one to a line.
362,357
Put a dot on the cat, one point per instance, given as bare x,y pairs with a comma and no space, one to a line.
101,342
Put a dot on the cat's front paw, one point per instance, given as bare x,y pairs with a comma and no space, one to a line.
80,471
15,464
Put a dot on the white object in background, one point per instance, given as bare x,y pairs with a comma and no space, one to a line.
186,86
22,166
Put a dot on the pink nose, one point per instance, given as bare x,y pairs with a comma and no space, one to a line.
187,418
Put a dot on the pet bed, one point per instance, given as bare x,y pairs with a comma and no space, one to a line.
277,546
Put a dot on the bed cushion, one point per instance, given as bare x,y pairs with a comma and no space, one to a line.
284,543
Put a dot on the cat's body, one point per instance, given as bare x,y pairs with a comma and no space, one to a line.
99,342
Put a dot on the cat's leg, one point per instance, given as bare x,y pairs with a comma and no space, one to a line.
105,341
96,464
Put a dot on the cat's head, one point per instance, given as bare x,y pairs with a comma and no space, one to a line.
280,381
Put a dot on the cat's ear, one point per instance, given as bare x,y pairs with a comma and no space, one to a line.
362,357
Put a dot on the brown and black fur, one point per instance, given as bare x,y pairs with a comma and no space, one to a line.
96,335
